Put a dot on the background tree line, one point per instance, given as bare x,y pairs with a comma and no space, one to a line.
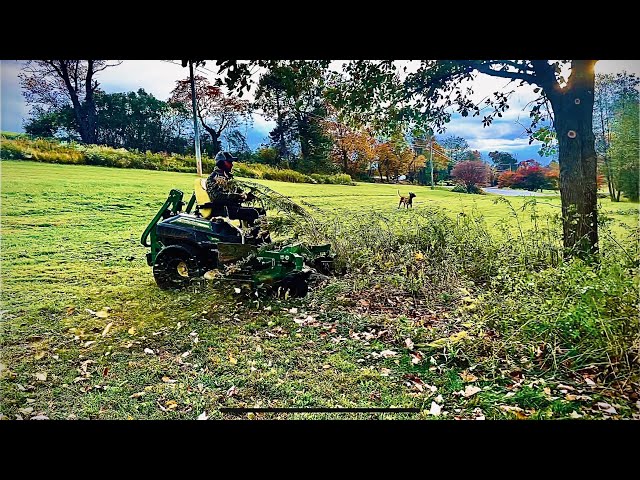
313,133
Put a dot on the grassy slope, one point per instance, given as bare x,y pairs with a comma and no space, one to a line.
70,242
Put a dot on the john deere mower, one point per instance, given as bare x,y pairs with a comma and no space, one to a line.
199,240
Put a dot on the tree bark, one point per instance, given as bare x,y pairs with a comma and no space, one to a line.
573,123
215,138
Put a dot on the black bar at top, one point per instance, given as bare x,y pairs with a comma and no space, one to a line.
319,410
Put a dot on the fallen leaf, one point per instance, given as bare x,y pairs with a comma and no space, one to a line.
384,372
575,414
171,405
40,417
435,409
26,411
41,376
408,343
232,391
564,387
137,395
89,343
547,390
106,329
416,358
417,383
293,310
132,331
40,355
519,412
149,351
232,360
570,397
388,353
102,314
237,290
589,382
168,380
605,407
470,390
468,377
186,354
203,416
439,399
326,366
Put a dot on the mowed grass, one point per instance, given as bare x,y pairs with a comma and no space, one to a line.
71,248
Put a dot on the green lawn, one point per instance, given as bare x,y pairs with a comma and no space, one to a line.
71,248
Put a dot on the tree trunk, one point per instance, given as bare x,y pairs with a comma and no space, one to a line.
215,138
89,106
573,122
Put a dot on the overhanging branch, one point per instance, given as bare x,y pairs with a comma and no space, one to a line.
486,69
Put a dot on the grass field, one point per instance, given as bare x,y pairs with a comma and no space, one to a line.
86,333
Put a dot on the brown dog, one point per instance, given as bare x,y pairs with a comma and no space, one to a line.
407,201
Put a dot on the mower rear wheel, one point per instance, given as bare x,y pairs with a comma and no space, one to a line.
175,267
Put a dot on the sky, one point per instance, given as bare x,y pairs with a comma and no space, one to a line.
158,77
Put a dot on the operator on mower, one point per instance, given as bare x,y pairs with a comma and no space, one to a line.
226,198
218,186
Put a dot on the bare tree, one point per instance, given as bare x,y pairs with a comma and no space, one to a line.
50,85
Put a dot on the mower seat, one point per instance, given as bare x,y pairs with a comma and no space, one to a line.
202,197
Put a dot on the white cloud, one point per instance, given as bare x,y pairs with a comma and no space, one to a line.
502,144
155,76
261,124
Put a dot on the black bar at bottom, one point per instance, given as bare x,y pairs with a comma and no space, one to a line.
319,410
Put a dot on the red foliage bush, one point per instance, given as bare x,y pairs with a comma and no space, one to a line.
471,174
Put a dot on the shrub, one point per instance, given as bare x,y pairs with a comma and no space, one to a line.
336,179
459,188
287,175
471,174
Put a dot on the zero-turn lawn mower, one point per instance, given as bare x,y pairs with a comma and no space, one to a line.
200,240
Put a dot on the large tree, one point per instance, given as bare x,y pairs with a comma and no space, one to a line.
292,93
53,85
352,148
455,147
216,111
503,161
140,121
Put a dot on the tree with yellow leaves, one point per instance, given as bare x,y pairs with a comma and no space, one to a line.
352,149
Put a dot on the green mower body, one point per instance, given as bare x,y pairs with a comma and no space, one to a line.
184,247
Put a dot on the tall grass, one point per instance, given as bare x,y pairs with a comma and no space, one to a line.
574,314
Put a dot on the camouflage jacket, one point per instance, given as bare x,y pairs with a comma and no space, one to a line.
221,188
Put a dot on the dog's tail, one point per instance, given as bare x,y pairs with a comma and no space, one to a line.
399,193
